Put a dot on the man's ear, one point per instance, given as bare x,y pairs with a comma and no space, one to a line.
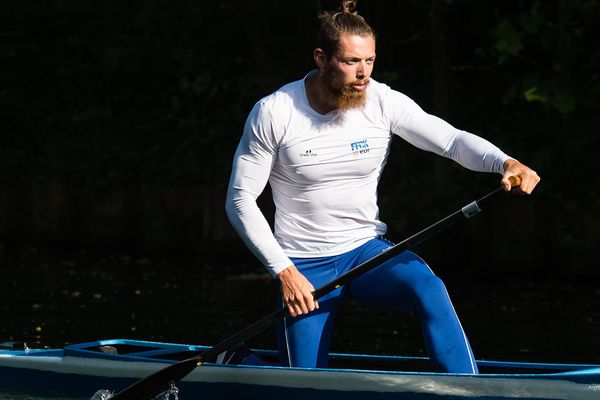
320,58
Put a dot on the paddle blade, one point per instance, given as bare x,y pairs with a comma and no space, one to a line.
158,382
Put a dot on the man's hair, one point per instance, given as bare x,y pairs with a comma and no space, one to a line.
336,23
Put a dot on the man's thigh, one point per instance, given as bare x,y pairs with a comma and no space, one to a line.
396,284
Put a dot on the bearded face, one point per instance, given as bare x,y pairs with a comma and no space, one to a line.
343,94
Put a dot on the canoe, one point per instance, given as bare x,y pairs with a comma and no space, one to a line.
80,370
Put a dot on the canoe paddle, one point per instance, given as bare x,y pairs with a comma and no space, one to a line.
156,383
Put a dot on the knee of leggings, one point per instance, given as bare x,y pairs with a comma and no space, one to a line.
430,289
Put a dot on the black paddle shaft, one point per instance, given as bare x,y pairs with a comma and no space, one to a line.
158,382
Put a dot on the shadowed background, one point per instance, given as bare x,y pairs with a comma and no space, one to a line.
119,122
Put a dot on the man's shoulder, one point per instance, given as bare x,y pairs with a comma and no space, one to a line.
382,91
284,97
275,109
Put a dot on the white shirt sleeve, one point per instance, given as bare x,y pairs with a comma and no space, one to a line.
433,134
252,165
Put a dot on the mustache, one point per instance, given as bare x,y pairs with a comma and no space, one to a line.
359,82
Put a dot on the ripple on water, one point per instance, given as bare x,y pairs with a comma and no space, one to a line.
170,394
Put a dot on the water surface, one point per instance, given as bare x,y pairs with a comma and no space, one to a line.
49,300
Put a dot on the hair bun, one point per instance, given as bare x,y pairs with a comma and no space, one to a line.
346,21
349,6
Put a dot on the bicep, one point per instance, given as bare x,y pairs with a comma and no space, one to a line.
254,156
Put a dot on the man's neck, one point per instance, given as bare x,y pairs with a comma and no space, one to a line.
318,97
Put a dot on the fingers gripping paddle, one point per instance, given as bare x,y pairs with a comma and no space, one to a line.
153,385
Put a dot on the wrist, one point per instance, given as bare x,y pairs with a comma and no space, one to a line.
286,272
508,163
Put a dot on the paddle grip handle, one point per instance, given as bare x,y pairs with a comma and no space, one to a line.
514,180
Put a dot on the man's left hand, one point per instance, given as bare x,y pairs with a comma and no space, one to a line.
529,178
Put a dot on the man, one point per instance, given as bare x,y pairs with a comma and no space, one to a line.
321,143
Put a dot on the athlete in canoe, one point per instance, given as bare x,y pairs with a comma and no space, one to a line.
321,143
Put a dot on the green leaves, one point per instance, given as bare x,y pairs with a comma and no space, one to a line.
507,41
548,48
511,34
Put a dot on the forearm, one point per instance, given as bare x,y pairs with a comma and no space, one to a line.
476,153
430,133
253,228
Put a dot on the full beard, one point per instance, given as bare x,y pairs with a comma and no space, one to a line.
343,95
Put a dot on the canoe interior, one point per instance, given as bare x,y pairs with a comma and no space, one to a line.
126,349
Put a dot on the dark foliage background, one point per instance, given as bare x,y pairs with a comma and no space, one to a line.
119,121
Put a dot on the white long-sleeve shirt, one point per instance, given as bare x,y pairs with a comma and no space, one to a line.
324,169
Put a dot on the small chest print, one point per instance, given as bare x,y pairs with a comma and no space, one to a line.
360,147
308,153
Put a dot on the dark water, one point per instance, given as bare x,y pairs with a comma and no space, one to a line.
19,395
49,300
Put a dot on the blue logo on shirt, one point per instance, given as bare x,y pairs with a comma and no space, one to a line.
360,147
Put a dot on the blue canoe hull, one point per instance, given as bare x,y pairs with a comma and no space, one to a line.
80,370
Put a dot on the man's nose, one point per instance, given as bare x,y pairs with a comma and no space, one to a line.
361,71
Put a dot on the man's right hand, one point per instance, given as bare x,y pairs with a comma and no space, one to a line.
296,291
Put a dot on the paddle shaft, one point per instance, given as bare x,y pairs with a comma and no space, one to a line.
154,384
467,211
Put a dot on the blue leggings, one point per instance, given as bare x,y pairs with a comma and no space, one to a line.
403,283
